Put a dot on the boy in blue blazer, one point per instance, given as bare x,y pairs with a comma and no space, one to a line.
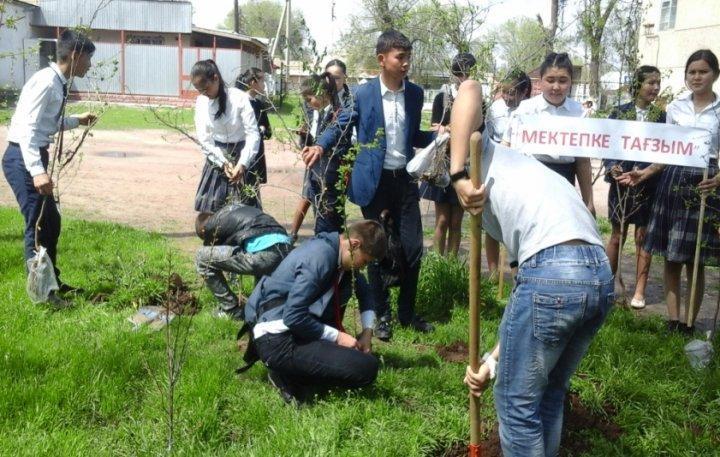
388,110
296,313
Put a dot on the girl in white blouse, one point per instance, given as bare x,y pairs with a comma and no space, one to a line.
515,89
672,231
229,137
556,74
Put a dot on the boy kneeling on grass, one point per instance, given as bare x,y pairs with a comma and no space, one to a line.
296,313
39,115
238,239
563,291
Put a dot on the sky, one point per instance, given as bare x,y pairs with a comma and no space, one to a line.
325,30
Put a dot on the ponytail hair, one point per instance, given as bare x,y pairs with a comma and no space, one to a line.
248,77
557,60
319,85
207,70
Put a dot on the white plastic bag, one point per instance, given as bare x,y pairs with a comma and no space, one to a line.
699,353
41,278
421,164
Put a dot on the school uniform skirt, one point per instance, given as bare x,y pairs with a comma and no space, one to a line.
635,203
672,230
215,190
439,194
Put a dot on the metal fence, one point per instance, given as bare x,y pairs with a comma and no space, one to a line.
146,70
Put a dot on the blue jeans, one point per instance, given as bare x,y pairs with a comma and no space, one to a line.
561,298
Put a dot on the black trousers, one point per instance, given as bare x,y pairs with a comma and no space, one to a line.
31,202
316,362
399,194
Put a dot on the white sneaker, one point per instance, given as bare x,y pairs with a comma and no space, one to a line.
637,304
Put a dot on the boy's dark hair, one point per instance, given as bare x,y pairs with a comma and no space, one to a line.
520,81
706,55
462,64
557,60
70,41
207,69
373,238
248,77
392,39
200,222
318,85
337,63
640,76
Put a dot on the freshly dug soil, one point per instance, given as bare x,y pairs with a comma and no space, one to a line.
456,352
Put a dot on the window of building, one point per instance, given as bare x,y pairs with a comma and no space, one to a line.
668,11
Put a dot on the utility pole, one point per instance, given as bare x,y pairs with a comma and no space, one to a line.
236,16
287,44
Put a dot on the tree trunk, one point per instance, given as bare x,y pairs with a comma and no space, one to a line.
386,18
236,16
595,72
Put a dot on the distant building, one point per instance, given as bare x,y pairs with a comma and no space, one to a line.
674,29
145,48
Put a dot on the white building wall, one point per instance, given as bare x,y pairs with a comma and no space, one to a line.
697,26
12,68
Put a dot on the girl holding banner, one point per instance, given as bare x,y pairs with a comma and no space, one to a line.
673,227
556,74
632,205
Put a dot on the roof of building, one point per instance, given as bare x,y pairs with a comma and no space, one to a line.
27,2
230,35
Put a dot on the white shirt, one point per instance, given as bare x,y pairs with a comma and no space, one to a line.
497,119
236,125
317,115
37,116
367,318
394,111
537,105
528,207
682,112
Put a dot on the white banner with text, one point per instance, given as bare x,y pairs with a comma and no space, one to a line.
613,139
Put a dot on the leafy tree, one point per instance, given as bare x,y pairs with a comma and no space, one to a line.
521,43
593,19
260,18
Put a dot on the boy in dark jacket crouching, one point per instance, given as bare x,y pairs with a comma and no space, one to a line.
296,313
238,239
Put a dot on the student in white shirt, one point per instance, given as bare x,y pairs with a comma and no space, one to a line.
672,230
564,288
556,74
37,118
516,88
229,137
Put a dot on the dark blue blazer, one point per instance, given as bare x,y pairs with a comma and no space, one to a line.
368,110
305,280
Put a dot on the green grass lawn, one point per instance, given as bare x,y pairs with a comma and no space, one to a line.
81,382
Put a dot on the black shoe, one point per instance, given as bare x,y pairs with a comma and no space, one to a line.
685,330
68,289
287,390
420,325
383,329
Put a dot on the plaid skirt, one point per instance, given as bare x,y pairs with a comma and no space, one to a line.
672,230
215,190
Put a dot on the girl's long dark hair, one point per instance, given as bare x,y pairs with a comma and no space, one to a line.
317,85
207,70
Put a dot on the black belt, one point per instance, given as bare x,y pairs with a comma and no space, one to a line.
396,173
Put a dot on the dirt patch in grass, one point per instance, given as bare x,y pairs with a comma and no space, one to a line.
456,352
578,421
